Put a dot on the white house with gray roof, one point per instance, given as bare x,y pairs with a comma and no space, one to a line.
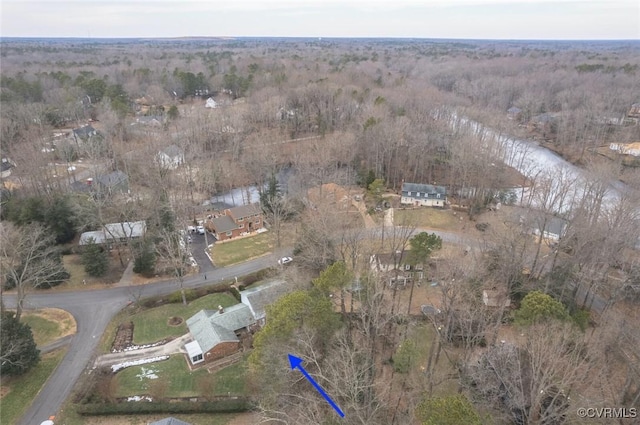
427,195
170,157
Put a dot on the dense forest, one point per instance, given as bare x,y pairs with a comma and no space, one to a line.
368,113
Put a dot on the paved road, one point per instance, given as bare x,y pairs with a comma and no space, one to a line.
93,310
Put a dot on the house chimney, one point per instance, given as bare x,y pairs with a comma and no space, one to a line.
220,309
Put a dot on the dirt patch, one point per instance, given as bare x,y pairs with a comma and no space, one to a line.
124,337
175,321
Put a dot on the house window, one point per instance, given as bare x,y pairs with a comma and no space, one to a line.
417,194
241,219
407,267
196,358
408,193
258,220
438,195
229,234
241,226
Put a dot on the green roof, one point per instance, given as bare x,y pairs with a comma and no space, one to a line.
210,327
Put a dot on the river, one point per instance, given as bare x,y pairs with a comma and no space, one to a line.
537,163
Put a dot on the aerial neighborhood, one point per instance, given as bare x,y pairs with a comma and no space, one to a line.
438,231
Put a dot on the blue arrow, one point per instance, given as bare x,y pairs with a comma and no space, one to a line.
296,362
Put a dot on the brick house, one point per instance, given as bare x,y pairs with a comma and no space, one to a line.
237,221
217,333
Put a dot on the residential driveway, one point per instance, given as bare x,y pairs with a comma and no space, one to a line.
175,346
198,247
93,309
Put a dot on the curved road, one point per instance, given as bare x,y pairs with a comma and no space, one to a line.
93,310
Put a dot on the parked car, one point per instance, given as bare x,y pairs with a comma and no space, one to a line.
200,230
285,260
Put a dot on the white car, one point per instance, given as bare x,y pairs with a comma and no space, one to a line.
285,260
200,230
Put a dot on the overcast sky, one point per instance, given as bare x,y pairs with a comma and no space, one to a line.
475,19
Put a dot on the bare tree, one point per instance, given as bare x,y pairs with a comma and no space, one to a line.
532,384
171,248
28,260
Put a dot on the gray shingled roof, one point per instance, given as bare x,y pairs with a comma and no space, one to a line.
425,190
85,131
209,327
223,224
244,211
173,151
259,297
112,179
126,229
170,421
114,231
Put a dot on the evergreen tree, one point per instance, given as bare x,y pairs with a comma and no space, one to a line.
144,261
95,259
18,351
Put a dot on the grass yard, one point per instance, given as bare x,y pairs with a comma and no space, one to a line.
49,324
240,250
424,336
73,264
152,325
430,218
18,392
172,378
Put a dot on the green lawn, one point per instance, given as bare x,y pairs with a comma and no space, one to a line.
23,389
240,250
152,325
178,380
231,379
49,324
428,217
44,331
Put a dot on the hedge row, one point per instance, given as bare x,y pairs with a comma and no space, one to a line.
230,405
